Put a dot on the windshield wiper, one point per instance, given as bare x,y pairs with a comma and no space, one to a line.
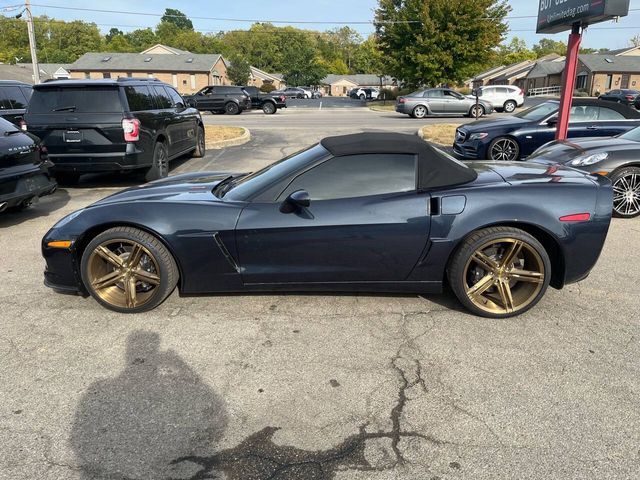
220,189
12,132
70,108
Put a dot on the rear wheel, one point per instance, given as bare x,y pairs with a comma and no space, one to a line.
626,192
419,112
160,166
504,149
362,96
232,108
269,108
510,106
128,270
200,143
499,272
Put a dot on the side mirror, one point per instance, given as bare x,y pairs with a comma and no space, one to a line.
179,106
295,201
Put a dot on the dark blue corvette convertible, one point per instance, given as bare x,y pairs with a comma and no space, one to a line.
364,212
514,137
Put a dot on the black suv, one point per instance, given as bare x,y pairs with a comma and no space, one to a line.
221,99
14,97
113,125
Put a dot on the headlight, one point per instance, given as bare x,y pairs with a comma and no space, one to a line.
478,136
63,221
589,159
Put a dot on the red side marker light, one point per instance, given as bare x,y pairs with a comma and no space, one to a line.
576,217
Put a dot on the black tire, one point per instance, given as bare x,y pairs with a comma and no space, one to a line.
626,192
201,146
481,111
67,178
420,111
231,108
269,108
362,96
160,166
458,271
168,269
216,112
504,149
510,106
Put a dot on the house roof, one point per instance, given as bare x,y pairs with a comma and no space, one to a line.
20,73
48,69
141,62
545,68
523,71
256,72
170,50
622,51
611,63
357,79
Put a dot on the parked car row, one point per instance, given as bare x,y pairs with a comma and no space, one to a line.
71,127
234,100
625,96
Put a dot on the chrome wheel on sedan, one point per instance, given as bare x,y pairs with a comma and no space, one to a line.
504,149
626,192
128,270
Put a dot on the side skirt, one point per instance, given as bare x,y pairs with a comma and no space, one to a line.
337,287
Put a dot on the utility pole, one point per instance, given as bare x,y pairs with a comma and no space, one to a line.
32,42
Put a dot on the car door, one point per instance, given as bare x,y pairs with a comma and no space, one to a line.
204,99
184,120
488,94
365,223
435,99
455,103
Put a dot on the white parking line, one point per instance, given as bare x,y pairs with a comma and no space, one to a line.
320,107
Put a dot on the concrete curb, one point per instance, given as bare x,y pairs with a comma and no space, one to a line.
419,133
231,142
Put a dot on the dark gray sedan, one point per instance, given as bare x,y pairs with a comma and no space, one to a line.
441,101
615,157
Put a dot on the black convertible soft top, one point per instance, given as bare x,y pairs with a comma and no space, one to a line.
434,169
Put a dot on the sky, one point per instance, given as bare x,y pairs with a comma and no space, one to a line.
605,35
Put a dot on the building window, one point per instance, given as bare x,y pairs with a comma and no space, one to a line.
193,81
174,80
87,75
184,82
106,75
608,83
581,81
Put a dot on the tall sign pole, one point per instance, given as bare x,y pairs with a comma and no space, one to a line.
568,82
556,16
32,43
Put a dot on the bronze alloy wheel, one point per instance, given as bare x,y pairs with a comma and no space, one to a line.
504,276
123,273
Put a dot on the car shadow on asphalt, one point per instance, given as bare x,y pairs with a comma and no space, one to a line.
45,206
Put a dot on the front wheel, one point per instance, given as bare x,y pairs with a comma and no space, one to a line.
510,106
476,112
626,192
160,166
499,272
419,112
504,149
232,108
128,270
269,108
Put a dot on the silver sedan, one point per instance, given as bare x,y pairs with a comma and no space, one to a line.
441,101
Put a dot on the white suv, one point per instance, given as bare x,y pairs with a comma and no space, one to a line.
502,97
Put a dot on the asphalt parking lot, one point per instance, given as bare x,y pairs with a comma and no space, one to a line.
313,386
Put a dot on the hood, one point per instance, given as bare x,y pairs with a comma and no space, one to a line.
562,151
189,187
537,172
501,123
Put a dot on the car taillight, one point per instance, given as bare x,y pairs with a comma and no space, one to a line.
520,92
630,97
131,127
401,100
23,125
283,98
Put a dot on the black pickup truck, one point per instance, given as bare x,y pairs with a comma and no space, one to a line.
269,103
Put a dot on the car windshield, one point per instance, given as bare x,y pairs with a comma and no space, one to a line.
538,112
633,135
256,182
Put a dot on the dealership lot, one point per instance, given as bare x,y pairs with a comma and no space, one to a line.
323,386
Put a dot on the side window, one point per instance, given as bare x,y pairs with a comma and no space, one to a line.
433,94
162,98
451,94
503,91
487,92
15,97
139,98
4,103
175,96
609,114
614,92
27,91
357,176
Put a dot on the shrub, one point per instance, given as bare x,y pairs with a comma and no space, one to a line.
267,87
580,93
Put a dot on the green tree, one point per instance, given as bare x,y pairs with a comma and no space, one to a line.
547,46
367,57
177,18
515,51
141,39
301,66
119,43
239,70
113,32
446,41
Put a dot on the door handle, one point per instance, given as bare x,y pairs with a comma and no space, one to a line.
592,127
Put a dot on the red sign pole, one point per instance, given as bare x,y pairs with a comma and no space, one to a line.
568,82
